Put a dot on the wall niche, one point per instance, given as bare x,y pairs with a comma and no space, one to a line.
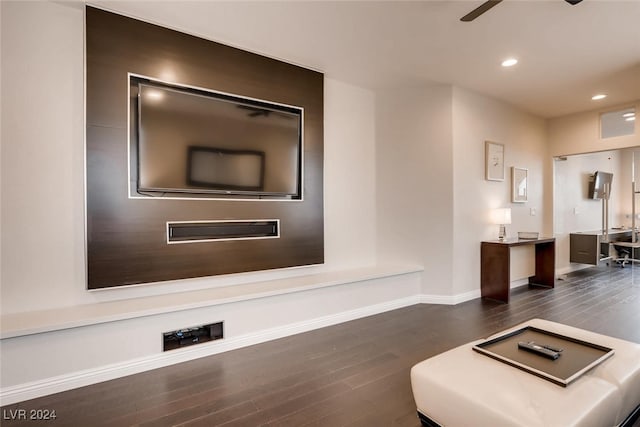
212,223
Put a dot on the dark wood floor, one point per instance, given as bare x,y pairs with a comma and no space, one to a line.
352,374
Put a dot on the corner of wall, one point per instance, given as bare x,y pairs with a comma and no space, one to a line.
414,170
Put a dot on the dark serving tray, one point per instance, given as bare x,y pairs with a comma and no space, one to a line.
576,357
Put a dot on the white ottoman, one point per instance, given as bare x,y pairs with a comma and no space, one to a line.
464,388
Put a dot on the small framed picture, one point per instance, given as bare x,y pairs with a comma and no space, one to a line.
494,161
519,177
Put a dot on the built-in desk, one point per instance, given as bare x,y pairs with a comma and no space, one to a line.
496,260
591,247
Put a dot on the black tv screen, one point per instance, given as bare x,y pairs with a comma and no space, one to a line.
208,144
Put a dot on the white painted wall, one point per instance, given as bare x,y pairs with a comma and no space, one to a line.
433,200
580,133
350,175
42,162
415,181
477,118
42,201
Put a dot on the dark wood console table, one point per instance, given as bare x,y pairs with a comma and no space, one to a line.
495,265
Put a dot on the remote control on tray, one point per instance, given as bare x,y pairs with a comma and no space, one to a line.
540,350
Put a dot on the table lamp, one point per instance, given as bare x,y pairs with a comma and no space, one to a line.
501,217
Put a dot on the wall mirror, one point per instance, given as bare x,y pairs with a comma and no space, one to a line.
617,123
519,177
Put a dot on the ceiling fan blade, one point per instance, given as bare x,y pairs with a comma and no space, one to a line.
479,10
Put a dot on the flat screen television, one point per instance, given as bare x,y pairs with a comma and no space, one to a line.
600,185
191,142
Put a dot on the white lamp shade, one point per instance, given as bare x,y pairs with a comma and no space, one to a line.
501,216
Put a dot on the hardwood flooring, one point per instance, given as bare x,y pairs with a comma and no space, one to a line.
352,374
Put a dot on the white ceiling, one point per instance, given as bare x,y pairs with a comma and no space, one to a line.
567,53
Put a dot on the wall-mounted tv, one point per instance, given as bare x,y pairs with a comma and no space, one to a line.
191,142
600,185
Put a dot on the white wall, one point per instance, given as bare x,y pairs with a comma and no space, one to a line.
42,200
433,200
580,133
477,118
415,180
350,175
42,162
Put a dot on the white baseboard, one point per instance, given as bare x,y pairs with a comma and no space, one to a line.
22,392
449,299
465,296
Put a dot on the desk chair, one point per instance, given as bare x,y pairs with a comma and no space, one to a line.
626,250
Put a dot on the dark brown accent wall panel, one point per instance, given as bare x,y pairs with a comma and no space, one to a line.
126,236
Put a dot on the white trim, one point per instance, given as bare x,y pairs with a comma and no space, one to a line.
465,296
449,299
31,390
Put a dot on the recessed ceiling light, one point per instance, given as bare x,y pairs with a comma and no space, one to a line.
598,97
628,114
509,62
631,119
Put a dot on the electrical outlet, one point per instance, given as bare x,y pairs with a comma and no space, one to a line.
532,211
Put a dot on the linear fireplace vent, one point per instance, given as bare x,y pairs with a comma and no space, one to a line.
208,231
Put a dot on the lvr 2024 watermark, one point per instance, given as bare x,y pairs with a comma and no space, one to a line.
29,414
